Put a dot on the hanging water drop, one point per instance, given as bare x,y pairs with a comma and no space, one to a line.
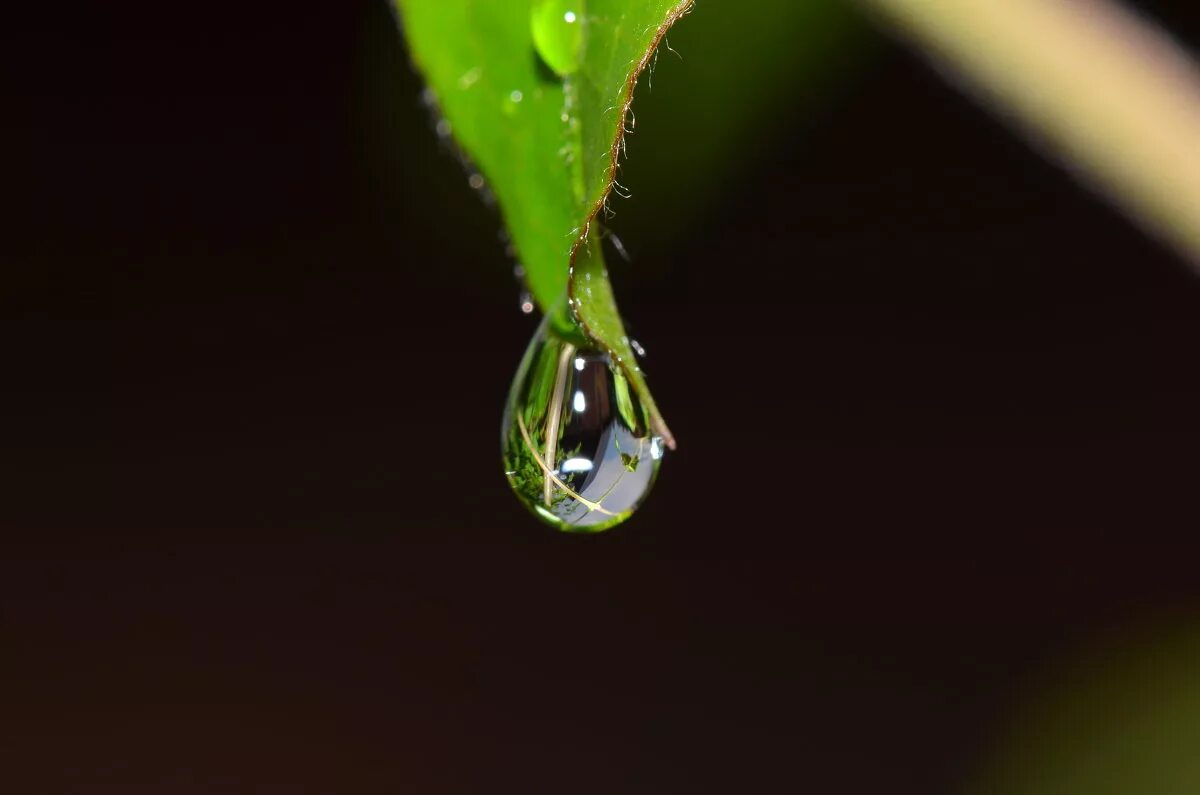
557,27
577,445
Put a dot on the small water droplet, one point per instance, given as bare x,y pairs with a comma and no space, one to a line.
526,304
637,348
511,104
577,447
476,181
557,27
470,78
443,128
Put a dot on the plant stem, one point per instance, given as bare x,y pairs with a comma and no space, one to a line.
1105,89
549,473
555,418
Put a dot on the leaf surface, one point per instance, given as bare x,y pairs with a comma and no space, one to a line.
537,95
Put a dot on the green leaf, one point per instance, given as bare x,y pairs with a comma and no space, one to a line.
537,94
1121,717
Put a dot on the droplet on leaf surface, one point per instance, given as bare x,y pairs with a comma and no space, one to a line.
577,445
557,27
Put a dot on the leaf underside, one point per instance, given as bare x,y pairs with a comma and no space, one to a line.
547,145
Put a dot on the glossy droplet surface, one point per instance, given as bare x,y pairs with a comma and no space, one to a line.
577,447
557,27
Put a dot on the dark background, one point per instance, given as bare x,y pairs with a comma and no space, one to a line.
937,412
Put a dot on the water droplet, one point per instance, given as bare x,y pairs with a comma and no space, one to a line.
512,102
470,78
557,27
476,181
578,451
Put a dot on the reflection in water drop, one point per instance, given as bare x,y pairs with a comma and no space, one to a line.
557,27
578,451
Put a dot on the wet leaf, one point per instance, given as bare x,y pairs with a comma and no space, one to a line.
536,94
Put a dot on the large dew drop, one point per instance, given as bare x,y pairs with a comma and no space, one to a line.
578,451
557,27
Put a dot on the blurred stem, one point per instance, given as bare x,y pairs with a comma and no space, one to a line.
1107,90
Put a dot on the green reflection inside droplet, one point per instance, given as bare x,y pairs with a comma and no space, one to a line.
577,447
557,27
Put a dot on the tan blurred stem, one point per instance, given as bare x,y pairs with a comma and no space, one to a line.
1109,91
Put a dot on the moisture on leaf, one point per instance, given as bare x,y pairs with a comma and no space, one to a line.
537,94
571,456
557,28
